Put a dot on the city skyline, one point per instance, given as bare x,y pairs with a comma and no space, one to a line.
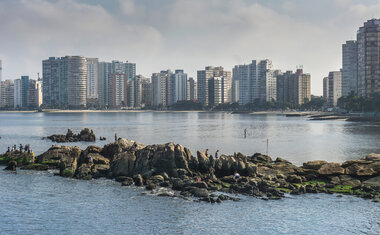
166,34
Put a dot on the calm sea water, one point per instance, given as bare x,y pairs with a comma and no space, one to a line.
40,203
295,139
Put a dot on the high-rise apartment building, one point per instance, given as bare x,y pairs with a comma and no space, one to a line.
146,92
257,82
266,81
326,88
206,90
65,81
293,88
118,90
368,44
92,78
105,73
178,86
34,94
52,84
349,68
191,89
75,69
242,73
161,88
7,94
21,87
335,87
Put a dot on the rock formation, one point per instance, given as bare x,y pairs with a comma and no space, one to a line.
84,135
173,166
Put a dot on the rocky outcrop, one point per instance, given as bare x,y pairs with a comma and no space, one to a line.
174,166
11,166
84,135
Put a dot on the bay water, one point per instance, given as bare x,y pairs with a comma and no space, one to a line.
41,203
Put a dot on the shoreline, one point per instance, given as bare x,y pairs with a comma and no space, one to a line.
173,166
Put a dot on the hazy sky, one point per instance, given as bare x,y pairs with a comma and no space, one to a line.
181,34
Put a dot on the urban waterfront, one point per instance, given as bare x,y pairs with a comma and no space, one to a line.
36,202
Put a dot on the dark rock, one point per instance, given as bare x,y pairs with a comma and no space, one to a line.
157,179
199,192
314,165
84,135
199,184
138,180
122,178
84,172
151,186
127,181
331,169
11,166
36,167
294,179
178,184
259,158
281,160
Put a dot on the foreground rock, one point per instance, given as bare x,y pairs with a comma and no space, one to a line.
174,167
84,135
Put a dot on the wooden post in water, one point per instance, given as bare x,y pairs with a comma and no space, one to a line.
267,146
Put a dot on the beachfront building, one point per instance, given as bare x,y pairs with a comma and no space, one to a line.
267,90
368,48
326,88
65,82
257,82
206,89
191,89
161,88
293,88
178,86
34,94
146,92
92,78
335,87
349,68
7,94
21,92
118,90
105,73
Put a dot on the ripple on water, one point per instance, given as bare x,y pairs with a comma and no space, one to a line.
35,202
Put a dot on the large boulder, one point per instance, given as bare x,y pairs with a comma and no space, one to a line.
84,135
124,164
373,157
84,172
375,181
260,158
314,165
164,159
181,157
360,170
11,166
204,163
87,135
65,157
331,169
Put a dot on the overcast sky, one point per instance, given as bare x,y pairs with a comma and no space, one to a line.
181,34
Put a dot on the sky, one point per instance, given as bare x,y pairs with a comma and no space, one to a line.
182,34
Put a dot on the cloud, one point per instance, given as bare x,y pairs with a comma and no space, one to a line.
181,33
37,29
